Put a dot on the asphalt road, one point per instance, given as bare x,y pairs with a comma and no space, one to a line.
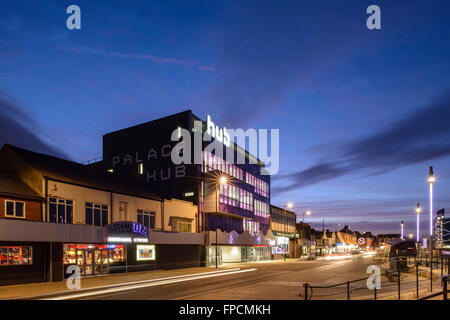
256,281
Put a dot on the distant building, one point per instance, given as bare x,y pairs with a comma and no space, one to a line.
441,230
283,226
385,238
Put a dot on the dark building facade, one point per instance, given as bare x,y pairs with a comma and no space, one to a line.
144,153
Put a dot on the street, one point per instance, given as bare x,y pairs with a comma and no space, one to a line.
255,281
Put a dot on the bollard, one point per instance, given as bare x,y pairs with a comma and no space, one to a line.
417,280
348,290
445,289
306,291
431,275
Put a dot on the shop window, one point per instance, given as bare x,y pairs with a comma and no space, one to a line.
146,218
60,210
10,256
15,209
96,214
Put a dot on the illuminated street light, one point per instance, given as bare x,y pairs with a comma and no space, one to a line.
401,226
410,235
431,180
418,210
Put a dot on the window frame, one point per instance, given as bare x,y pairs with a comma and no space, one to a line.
14,215
57,204
96,206
148,213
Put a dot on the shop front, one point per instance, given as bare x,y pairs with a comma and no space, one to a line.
234,248
94,259
281,247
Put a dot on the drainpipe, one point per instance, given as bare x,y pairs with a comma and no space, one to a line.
111,200
162,215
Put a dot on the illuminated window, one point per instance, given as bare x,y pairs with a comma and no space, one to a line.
15,256
183,226
15,209
141,168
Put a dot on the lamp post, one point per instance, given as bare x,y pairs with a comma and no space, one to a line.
289,205
222,182
418,210
401,228
303,222
431,180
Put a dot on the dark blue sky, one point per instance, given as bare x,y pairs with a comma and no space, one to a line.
362,113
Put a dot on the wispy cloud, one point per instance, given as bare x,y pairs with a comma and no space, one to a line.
136,56
19,129
422,136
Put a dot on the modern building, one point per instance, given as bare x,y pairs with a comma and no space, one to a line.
57,213
239,207
441,230
283,226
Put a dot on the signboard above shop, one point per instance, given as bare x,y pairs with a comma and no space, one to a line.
126,232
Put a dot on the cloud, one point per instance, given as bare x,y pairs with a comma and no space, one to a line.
135,56
19,129
424,135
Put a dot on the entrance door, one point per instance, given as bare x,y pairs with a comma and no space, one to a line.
89,261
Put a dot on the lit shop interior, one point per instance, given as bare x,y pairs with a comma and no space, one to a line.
233,254
281,247
94,259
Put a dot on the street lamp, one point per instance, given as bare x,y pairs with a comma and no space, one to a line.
431,180
303,222
401,226
222,182
418,210
289,205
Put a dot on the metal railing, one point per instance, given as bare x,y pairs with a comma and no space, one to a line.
396,278
444,279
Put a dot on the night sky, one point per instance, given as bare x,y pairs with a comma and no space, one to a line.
362,113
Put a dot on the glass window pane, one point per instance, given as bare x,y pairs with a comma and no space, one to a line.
69,214
61,213
52,212
96,217
146,220
88,216
104,217
139,218
10,208
152,221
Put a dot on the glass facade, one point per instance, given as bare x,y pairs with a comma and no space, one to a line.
247,196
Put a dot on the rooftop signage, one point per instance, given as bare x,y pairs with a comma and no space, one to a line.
214,131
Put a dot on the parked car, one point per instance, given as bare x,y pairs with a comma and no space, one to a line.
307,257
